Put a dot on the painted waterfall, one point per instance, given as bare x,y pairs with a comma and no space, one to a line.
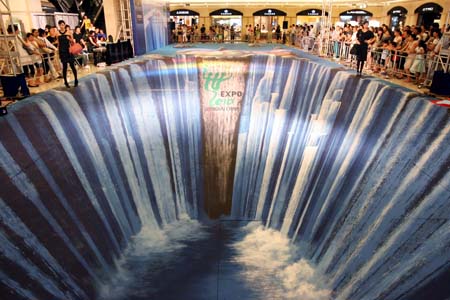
348,176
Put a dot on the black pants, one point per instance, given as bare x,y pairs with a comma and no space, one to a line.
72,66
11,85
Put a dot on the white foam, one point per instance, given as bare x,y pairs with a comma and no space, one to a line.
265,251
145,245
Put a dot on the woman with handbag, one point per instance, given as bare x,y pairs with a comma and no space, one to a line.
65,39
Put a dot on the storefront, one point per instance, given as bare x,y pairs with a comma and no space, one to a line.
227,17
184,16
355,16
428,14
397,17
230,19
309,16
269,19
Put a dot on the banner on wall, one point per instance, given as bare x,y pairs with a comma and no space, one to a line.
138,26
156,16
150,28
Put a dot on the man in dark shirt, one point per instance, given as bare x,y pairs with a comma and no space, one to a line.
203,32
52,36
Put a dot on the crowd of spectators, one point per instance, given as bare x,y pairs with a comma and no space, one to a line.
45,53
408,49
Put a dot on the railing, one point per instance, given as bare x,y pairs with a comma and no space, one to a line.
385,62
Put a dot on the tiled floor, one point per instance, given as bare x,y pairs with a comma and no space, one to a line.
55,83
59,83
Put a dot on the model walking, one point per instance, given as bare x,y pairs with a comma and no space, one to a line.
65,39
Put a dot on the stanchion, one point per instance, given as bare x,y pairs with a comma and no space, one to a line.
3,109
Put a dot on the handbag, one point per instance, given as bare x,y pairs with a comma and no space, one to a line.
354,49
75,49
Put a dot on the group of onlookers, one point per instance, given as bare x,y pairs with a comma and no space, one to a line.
46,53
406,49
220,33
190,34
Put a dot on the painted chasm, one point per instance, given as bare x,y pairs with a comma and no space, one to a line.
329,186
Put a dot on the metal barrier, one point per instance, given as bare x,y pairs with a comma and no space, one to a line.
383,60
387,62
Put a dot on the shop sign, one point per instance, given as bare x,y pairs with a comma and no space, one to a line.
184,12
269,12
311,12
226,12
397,11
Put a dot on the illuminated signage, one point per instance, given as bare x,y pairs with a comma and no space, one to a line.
428,9
269,12
226,12
356,12
397,11
184,12
311,12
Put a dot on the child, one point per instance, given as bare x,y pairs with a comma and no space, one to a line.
418,66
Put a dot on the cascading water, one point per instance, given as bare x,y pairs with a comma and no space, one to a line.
349,177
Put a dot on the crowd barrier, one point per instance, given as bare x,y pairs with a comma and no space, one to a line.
226,37
388,63
117,52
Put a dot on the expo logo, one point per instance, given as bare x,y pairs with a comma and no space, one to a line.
220,97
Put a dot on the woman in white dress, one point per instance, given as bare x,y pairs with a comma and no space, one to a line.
418,66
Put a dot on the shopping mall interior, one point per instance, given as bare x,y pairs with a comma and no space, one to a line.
224,150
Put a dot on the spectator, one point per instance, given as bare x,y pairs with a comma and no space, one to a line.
78,37
48,53
101,36
411,52
24,58
203,33
364,38
65,39
33,50
96,48
86,24
418,66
